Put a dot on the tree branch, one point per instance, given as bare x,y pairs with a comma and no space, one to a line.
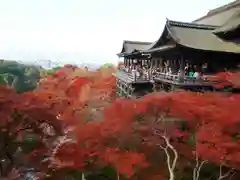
198,167
222,176
171,166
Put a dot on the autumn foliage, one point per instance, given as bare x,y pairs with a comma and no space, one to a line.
225,79
77,124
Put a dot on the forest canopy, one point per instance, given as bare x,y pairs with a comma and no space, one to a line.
71,125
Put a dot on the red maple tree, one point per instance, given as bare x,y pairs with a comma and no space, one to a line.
80,126
152,125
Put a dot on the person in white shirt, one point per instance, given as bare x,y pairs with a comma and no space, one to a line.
196,75
137,73
134,73
169,71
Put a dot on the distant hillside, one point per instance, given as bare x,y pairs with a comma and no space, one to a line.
48,64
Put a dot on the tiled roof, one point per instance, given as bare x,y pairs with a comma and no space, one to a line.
219,15
133,46
199,37
232,24
195,36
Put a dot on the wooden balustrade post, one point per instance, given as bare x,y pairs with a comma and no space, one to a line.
182,66
153,62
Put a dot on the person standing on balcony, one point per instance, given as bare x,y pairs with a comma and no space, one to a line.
191,71
134,74
186,70
138,69
197,74
169,71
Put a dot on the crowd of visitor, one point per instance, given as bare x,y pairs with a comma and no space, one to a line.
145,72
193,72
140,72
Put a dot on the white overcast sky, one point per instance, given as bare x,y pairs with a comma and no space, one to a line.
86,30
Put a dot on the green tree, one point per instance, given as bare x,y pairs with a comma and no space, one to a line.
107,65
20,76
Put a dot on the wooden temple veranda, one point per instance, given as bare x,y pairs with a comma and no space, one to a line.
129,84
184,56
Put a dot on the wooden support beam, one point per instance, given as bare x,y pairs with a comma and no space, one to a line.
182,66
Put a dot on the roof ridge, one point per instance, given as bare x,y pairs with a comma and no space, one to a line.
191,25
220,9
224,7
136,42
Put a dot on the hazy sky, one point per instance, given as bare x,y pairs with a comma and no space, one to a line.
87,30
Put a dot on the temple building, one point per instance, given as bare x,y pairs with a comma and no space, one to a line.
184,56
130,47
129,85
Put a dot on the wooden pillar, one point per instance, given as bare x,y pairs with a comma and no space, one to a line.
152,62
160,64
156,61
181,69
141,63
169,62
174,70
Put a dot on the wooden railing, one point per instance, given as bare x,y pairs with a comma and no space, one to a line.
170,78
175,79
132,76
